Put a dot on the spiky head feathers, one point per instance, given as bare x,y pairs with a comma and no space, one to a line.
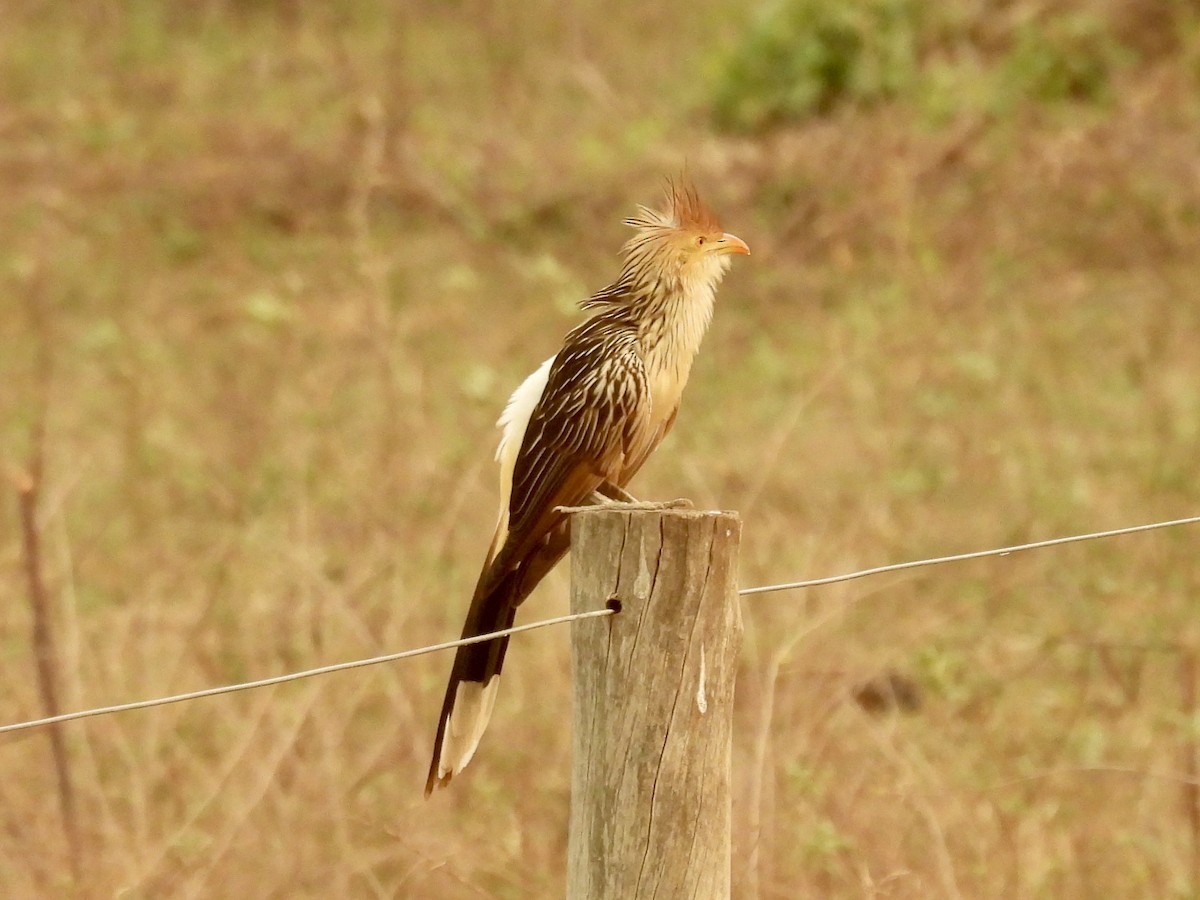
685,241
685,211
680,245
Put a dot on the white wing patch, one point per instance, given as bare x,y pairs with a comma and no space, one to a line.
512,423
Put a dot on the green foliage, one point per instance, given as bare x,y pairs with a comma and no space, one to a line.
1065,58
943,672
808,56
823,842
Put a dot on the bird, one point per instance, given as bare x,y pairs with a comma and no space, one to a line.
578,429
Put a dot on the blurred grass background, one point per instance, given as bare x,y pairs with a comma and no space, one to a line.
269,270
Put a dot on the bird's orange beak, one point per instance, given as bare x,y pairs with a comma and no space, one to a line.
731,243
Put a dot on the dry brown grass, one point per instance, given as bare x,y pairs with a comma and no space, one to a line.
290,264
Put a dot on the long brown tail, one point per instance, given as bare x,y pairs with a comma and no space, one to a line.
474,678
473,682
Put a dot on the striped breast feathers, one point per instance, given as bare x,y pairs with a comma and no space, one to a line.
595,395
594,407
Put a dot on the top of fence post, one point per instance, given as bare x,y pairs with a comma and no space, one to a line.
653,702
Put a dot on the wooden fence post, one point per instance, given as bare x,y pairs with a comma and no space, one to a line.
653,703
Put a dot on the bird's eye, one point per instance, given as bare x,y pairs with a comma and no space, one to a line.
700,241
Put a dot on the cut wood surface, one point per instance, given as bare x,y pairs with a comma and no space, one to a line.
653,703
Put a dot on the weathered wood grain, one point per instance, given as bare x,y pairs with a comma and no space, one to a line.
653,703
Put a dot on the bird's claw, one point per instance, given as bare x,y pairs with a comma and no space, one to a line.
568,510
601,502
677,503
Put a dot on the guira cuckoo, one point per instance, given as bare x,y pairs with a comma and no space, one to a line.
582,425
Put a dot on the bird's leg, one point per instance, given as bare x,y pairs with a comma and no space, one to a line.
622,497
608,490
612,496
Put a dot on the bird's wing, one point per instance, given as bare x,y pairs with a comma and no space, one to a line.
579,433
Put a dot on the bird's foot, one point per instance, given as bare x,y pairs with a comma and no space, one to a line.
609,493
596,501
569,510
677,503
599,501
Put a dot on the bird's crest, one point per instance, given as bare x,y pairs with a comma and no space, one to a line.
685,210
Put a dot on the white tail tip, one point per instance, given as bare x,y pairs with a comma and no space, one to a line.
473,704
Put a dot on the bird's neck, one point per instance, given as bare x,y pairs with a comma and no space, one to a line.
671,324
673,321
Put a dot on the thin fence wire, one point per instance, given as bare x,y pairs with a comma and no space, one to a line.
573,617
307,673
959,557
